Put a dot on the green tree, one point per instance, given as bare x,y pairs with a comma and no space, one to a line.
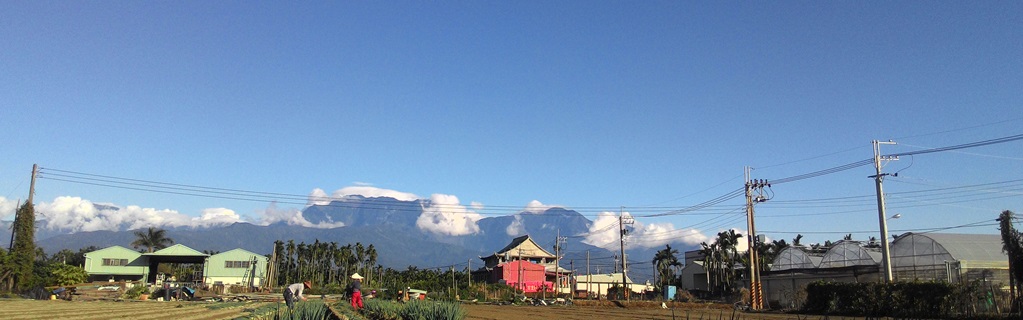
65,275
666,262
23,253
152,239
1012,245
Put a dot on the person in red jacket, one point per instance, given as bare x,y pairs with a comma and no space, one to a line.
356,291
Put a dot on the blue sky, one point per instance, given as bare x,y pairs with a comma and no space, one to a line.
654,106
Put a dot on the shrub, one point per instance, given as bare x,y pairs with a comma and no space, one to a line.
411,310
135,292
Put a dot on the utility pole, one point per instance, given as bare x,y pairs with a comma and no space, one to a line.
886,258
468,271
520,284
589,279
621,225
32,185
453,283
31,192
557,263
14,230
756,292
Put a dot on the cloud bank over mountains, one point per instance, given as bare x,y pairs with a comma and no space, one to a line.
441,214
604,233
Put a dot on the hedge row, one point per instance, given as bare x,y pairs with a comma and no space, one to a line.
900,299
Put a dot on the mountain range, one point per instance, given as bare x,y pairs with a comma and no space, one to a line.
391,225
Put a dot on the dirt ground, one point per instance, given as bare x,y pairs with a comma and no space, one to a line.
576,312
59,309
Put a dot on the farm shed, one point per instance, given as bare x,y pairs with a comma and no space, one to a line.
177,253
237,267
694,276
950,257
597,284
116,263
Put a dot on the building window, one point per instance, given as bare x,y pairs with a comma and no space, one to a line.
236,264
115,262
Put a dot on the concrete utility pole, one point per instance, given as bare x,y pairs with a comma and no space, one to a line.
589,279
520,283
31,192
886,258
756,292
557,262
32,186
621,225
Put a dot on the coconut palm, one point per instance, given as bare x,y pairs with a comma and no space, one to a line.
152,239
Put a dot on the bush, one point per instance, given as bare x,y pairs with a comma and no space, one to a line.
135,292
901,299
411,310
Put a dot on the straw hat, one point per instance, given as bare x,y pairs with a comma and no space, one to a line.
356,276
307,284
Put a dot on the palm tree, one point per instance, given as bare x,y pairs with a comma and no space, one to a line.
152,239
371,260
664,262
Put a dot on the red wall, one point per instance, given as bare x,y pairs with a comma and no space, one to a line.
533,276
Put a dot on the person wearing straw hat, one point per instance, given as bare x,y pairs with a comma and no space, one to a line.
295,290
356,291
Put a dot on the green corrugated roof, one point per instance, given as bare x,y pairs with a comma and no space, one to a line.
177,250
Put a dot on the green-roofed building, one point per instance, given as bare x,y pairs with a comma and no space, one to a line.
236,267
116,263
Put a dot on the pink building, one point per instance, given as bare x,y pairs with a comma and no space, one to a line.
524,265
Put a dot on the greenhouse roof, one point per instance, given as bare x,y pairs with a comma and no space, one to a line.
964,247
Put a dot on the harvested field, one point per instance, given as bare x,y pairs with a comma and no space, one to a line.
59,309
578,312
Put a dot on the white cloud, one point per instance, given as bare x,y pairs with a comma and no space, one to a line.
293,217
373,192
478,206
516,228
74,214
7,208
318,197
536,207
221,216
443,214
604,233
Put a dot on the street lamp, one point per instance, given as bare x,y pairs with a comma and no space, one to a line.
895,216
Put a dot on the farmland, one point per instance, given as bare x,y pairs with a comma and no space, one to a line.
59,309
498,312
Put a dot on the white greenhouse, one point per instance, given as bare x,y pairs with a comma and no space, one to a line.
950,257
795,257
847,253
